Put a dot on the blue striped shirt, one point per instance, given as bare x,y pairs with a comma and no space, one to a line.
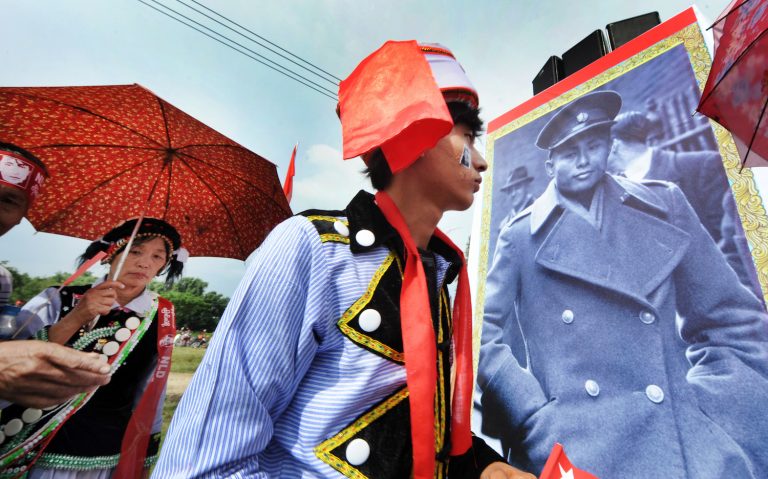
279,377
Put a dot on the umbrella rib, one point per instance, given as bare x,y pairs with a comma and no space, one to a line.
722,77
165,122
728,14
224,205
64,210
85,110
754,133
256,187
168,191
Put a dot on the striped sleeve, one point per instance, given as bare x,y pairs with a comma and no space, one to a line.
265,342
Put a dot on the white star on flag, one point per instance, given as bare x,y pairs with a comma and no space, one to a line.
564,474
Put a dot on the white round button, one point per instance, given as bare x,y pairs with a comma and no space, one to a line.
110,348
123,334
369,320
567,316
654,393
593,389
31,415
132,323
341,228
357,452
365,238
647,317
13,427
2,437
104,358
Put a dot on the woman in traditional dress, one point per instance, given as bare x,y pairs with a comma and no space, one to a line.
116,432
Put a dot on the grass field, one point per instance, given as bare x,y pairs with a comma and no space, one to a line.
183,365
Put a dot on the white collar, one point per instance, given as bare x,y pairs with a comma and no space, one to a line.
141,304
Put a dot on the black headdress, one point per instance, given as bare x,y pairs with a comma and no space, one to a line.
115,240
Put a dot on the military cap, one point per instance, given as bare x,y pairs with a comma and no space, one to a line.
519,175
585,113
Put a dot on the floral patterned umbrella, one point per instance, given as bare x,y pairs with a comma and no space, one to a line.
119,151
736,93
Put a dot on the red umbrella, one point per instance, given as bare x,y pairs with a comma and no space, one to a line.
736,93
119,151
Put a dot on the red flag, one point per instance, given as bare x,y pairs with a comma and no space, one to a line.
288,183
559,467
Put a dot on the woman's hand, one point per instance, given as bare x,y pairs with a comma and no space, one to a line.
96,301
499,470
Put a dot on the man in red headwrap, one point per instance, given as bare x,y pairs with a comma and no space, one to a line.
34,373
339,355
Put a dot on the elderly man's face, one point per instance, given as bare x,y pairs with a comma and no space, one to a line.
579,163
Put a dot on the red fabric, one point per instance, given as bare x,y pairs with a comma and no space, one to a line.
288,183
420,351
377,110
133,450
559,467
109,148
736,93
461,433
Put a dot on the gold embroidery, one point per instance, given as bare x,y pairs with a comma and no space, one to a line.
330,219
323,451
336,238
359,305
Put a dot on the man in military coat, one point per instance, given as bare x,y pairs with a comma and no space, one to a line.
614,326
700,176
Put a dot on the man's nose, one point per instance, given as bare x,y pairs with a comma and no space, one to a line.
478,162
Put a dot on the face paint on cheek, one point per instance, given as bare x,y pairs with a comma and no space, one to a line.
466,158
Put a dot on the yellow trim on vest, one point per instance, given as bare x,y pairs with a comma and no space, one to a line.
323,451
359,305
336,238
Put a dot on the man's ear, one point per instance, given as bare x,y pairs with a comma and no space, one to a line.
549,167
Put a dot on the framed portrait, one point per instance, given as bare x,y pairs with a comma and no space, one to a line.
619,240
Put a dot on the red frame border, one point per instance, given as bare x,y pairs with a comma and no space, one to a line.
631,48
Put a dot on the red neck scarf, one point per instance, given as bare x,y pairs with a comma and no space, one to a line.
420,349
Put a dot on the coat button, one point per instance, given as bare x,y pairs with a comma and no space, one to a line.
341,228
31,415
365,238
593,389
654,393
13,427
567,316
358,451
369,320
647,317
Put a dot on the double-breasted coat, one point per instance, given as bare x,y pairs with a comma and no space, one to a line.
627,339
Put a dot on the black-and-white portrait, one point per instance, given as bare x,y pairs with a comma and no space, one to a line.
622,313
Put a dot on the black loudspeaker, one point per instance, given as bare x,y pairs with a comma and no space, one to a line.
621,32
592,47
550,73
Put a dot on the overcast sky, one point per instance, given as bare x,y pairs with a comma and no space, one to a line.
501,44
